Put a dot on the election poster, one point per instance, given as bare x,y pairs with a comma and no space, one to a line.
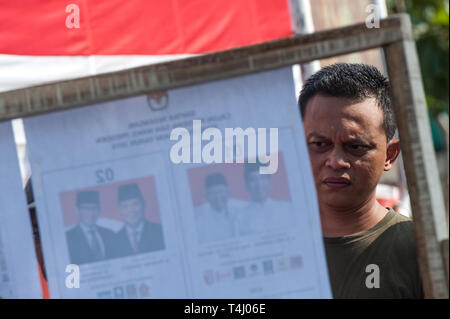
19,277
203,191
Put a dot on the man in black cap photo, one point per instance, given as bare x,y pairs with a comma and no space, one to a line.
215,218
138,235
88,242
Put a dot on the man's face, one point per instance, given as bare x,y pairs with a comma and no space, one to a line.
258,185
347,148
88,213
132,210
217,196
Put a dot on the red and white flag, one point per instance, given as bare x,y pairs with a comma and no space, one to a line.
51,40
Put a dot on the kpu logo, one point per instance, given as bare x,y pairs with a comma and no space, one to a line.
158,100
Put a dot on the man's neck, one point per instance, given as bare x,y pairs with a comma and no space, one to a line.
87,226
338,222
223,211
135,226
261,201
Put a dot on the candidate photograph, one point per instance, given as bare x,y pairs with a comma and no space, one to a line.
264,211
215,219
138,234
88,242
112,221
233,200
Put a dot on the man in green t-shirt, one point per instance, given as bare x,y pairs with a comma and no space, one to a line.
349,127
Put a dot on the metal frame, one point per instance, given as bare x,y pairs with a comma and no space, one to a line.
394,36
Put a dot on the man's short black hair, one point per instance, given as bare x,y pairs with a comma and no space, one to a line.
250,168
353,81
215,179
129,191
87,197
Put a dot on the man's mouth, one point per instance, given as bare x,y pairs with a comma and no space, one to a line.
336,182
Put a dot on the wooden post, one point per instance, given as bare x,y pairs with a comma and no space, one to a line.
419,158
445,254
443,121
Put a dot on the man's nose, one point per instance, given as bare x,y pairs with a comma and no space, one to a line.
336,160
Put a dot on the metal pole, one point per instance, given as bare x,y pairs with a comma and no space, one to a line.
302,23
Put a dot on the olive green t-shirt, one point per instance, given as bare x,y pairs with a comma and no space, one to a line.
386,252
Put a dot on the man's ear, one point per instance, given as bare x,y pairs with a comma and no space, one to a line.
392,152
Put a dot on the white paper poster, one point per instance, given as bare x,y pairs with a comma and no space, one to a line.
19,277
113,199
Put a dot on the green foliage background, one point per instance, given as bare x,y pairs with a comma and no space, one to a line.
430,20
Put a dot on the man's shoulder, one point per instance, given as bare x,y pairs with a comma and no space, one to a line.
201,211
398,217
400,225
151,226
105,231
153,235
122,232
390,245
74,230
393,236
398,246
403,236
234,203
394,243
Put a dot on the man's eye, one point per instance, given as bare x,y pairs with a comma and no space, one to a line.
319,145
358,148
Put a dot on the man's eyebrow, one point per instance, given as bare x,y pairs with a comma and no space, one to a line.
352,139
359,139
314,134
